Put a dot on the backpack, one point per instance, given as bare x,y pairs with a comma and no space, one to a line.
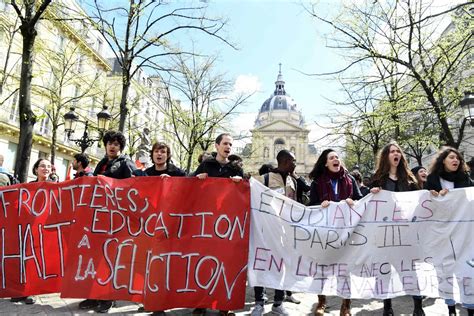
13,180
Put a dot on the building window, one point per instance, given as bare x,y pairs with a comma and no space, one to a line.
14,107
100,44
278,145
42,155
92,107
10,156
44,126
266,152
80,62
62,42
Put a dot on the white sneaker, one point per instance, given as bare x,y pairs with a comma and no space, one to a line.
279,310
292,299
258,310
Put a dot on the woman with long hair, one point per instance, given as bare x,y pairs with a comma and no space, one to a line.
42,170
449,171
392,174
332,182
421,175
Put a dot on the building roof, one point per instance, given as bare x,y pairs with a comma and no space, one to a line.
278,103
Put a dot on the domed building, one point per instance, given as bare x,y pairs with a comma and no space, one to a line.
280,125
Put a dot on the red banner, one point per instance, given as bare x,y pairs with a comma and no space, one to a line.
172,242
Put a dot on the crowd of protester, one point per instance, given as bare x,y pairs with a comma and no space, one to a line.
330,181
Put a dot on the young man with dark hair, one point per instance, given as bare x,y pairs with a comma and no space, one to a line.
80,164
162,165
118,166
281,181
221,167
115,164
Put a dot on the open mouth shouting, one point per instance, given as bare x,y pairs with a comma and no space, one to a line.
333,162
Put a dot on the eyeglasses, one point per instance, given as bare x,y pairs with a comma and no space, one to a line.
44,166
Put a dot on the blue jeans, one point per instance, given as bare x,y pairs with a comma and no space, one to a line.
451,302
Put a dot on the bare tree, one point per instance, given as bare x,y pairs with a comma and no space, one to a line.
399,40
6,71
197,103
66,84
29,14
139,33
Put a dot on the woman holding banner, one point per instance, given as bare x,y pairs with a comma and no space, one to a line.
449,171
392,174
332,182
42,170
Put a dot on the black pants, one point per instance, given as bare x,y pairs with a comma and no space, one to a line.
278,298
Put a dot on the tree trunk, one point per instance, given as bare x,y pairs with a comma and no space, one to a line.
189,162
123,100
418,159
54,136
27,117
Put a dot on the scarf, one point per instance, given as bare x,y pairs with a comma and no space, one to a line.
455,177
325,188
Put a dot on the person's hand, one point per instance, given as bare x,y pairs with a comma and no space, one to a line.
434,193
164,175
236,178
201,176
443,192
350,202
375,190
325,204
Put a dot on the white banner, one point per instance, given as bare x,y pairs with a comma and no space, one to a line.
386,245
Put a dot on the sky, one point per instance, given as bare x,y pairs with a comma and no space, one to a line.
268,33
281,31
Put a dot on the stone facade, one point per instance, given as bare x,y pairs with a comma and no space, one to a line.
279,125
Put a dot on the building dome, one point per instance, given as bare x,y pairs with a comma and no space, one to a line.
279,105
278,102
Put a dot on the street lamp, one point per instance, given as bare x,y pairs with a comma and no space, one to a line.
467,104
70,122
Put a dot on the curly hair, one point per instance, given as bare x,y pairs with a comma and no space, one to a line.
404,175
112,136
437,165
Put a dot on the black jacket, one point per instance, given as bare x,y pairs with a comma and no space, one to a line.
301,187
83,174
171,170
433,182
214,169
121,167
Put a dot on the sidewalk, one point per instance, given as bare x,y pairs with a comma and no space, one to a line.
52,304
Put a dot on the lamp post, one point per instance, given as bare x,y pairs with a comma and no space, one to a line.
70,122
467,104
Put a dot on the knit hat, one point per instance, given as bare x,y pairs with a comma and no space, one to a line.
416,169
